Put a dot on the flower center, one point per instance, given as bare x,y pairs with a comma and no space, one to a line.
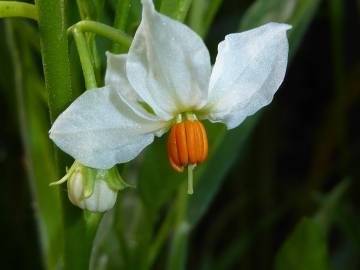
187,146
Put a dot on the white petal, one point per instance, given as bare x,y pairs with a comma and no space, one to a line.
115,77
76,189
100,130
249,68
168,64
102,199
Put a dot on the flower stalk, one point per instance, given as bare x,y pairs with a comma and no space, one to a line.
18,9
102,30
85,59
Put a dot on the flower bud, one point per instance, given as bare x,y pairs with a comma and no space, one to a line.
102,197
92,189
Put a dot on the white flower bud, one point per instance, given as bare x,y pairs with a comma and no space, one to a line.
101,199
92,189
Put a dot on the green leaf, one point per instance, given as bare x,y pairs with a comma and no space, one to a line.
121,21
211,11
330,203
33,127
202,14
304,249
178,250
176,9
263,11
196,18
122,14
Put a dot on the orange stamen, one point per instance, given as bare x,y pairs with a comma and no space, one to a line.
173,153
187,144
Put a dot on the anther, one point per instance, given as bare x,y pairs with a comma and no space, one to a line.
187,144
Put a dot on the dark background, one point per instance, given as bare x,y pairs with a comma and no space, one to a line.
306,142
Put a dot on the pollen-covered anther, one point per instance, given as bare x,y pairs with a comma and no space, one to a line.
187,144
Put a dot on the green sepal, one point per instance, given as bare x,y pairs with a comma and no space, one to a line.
115,181
89,176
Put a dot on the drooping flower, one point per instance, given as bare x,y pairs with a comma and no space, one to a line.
166,82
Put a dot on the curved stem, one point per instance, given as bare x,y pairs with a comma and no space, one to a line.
92,10
18,9
102,30
85,59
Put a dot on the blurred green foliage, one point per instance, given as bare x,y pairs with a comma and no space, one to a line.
270,196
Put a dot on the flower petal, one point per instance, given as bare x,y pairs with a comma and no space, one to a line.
168,64
249,68
115,77
100,130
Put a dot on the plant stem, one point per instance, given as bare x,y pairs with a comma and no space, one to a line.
85,59
175,9
178,248
103,30
18,9
122,14
161,237
91,10
55,55
78,232
120,22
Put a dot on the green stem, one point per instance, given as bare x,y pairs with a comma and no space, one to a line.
178,248
175,9
102,30
120,22
18,9
196,15
78,234
92,221
91,10
85,59
54,47
122,14
85,9
161,237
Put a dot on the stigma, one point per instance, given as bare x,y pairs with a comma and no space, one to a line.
187,147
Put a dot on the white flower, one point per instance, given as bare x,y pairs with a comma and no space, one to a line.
167,77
